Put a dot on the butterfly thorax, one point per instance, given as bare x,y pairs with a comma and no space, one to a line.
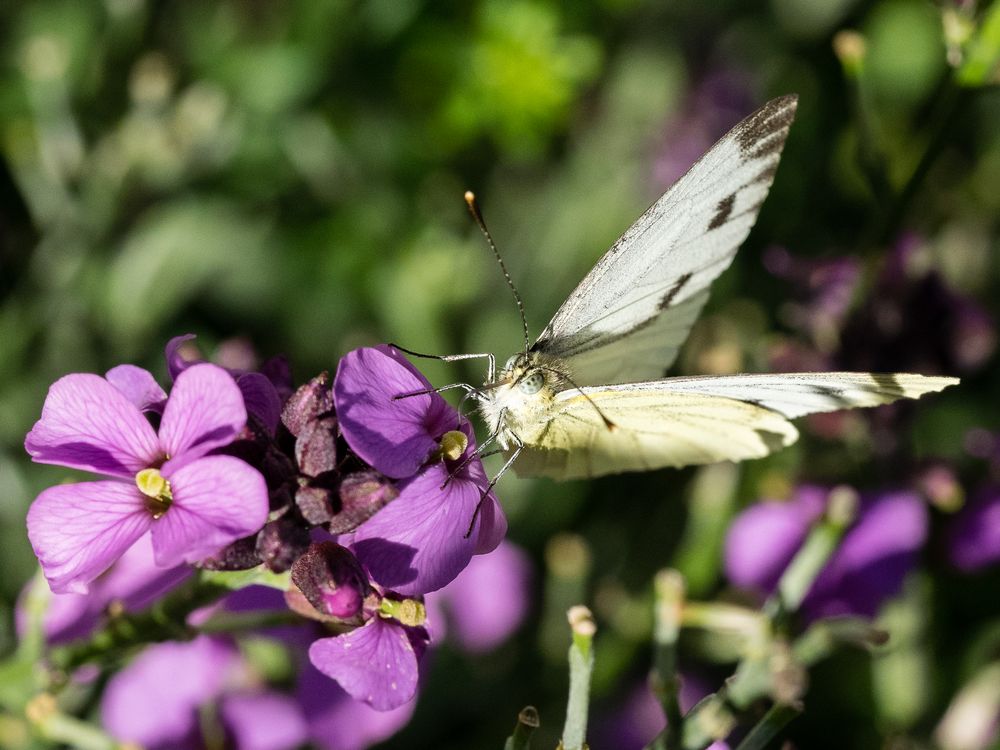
519,403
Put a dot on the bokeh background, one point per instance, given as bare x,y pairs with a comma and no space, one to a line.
288,178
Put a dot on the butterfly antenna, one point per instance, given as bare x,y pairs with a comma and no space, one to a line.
470,201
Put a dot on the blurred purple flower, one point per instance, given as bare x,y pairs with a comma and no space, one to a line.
867,568
825,290
133,582
156,699
263,720
488,600
193,503
421,540
714,105
974,536
914,320
338,722
634,723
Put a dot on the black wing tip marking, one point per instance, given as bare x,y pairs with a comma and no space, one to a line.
755,133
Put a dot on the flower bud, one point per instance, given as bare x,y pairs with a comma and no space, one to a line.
362,494
312,400
331,579
280,543
316,446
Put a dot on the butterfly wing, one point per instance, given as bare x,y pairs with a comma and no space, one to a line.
629,316
687,421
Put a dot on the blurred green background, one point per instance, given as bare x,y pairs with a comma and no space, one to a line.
291,174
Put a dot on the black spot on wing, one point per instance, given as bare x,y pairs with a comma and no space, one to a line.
681,281
722,211
761,133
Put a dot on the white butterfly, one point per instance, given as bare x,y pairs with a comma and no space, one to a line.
582,400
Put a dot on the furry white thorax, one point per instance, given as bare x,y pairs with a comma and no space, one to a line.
520,405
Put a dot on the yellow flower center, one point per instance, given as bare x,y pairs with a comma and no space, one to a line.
411,612
453,445
155,490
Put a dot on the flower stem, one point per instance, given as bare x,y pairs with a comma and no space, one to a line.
581,665
776,718
165,620
669,589
801,573
527,723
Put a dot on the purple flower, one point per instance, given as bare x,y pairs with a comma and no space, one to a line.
421,540
164,483
133,582
263,392
489,600
867,568
338,722
155,700
974,536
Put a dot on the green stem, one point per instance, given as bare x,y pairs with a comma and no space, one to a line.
527,723
581,665
948,109
769,727
166,620
801,573
669,604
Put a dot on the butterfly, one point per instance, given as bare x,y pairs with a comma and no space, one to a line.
588,397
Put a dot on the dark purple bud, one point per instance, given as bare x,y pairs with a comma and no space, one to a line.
312,400
314,504
280,542
362,495
316,446
331,579
279,372
240,555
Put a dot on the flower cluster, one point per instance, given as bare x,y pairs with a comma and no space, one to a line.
369,495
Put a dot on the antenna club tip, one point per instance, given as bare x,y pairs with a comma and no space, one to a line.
470,197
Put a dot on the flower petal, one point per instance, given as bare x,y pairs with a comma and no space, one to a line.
396,437
974,535
264,721
418,542
79,530
216,500
89,424
139,387
205,410
154,701
134,581
490,598
376,663
261,399
176,363
873,559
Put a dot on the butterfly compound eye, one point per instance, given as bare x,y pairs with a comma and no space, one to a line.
531,383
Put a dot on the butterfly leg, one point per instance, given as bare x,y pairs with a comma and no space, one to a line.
455,358
510,461
469,390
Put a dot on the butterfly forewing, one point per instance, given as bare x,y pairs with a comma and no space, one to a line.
628,317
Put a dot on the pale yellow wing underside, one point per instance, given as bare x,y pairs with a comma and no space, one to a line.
652,430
